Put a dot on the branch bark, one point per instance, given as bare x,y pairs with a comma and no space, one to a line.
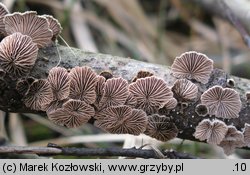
131,152
186,121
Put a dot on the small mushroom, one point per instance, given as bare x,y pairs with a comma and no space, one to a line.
246,134
29,23
83,83
115,92
142,74
122,120
54,26
60,82
184,90
72,114
106,74
214,132
151,93
222,102
169,105
17,54
233,139
201,110
230,83
39,95
22,86
3,11
160,128
192,65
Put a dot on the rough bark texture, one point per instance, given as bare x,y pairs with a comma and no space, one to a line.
185,120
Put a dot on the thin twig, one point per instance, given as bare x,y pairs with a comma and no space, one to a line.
131,152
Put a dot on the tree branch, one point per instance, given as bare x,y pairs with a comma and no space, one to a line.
185,121
102,152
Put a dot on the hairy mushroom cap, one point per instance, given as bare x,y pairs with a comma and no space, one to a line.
233,134
214,132
17,54
122,120
39,95
29,23
246,134
142,74
230,83
150,93
192,65
106,74
3,11
222,102
22,86
83,83
160,128
60,82
54,26
184,90
72,114
201,110
115,92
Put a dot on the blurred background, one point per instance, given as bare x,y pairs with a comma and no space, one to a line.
148,30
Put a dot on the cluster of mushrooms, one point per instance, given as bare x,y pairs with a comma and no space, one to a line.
72,97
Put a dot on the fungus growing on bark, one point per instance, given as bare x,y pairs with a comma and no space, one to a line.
99,89
222,102
184,90
17,54
201,110
214,132
142,74
151,93
131,100
233,139
169,105
106,74
29,23
246,134
115,92
39,95
160,128
54,26
122,120
230,83
3,11
22,86
192,65
83,83
248,96
72,114
60,82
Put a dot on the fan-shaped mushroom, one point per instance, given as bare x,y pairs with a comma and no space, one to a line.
142,74
60,82
151,93
29,23
192,65
246,133
184,90
222,102
54,26
39,95
17,54
214,132
115,92
72,114
122,120
161,128
83,83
